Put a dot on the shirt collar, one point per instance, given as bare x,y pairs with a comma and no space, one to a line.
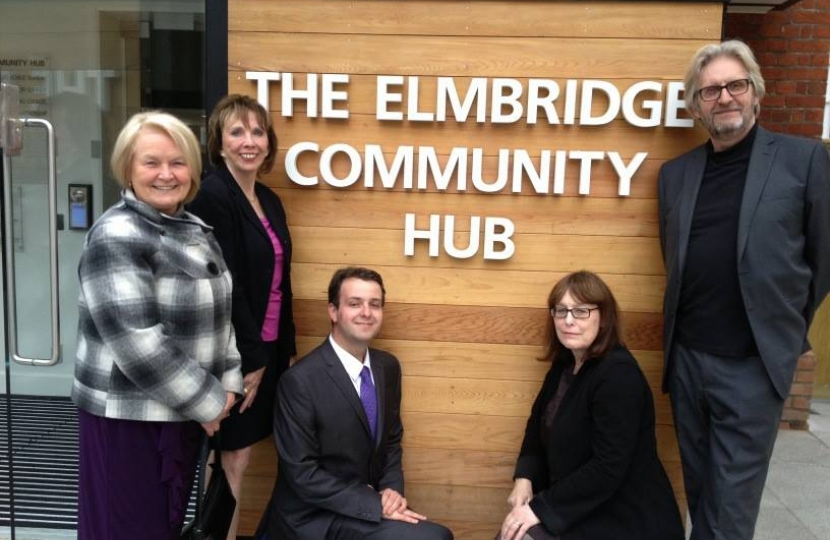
352,365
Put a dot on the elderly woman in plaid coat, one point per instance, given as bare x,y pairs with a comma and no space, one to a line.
157,364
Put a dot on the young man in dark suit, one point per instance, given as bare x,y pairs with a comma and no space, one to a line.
338,430
745,232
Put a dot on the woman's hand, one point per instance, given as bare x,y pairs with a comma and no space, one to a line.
213,426
251,385
517,522
521,494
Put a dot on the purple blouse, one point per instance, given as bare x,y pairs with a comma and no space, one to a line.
271,324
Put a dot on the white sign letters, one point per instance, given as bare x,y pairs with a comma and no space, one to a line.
534,102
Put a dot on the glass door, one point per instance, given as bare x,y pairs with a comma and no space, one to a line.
46,180
73,72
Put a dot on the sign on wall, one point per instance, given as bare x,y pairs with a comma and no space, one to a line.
499,100
29,73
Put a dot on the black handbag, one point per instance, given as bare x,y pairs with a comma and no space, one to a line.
214,510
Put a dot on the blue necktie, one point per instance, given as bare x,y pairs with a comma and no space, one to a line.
368,399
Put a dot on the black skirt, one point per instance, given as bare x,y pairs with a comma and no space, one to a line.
240,430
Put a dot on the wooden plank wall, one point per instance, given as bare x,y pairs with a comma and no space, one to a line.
468,331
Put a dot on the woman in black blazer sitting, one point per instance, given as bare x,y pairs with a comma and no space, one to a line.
250,224
588,467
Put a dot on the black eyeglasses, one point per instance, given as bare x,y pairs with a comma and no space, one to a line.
735,88
577,312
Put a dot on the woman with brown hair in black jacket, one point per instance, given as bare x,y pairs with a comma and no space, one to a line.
588,467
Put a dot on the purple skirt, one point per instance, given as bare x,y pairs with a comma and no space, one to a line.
134,477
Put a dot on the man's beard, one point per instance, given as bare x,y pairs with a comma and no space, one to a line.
727,128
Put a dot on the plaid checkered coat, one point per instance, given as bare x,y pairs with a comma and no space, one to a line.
155,337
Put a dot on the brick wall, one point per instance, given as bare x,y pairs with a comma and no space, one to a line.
793,47
797,406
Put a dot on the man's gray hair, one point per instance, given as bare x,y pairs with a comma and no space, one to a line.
736,49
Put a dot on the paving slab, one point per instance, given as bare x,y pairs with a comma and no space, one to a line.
777,522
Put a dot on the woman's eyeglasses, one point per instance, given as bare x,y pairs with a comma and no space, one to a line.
577,312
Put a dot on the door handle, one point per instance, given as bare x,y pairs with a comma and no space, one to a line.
11,297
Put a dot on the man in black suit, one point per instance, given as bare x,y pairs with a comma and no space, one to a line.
745,232
338,430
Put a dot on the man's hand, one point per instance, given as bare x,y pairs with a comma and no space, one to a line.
394,507
407,515
392,502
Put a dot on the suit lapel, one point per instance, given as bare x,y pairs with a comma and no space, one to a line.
250,214
760,166
341,380
242,202
688,199
278,223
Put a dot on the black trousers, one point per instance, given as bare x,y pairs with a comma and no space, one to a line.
345,528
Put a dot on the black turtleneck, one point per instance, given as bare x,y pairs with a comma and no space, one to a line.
712,317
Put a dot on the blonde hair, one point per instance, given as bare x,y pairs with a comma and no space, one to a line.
734,48
124,149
